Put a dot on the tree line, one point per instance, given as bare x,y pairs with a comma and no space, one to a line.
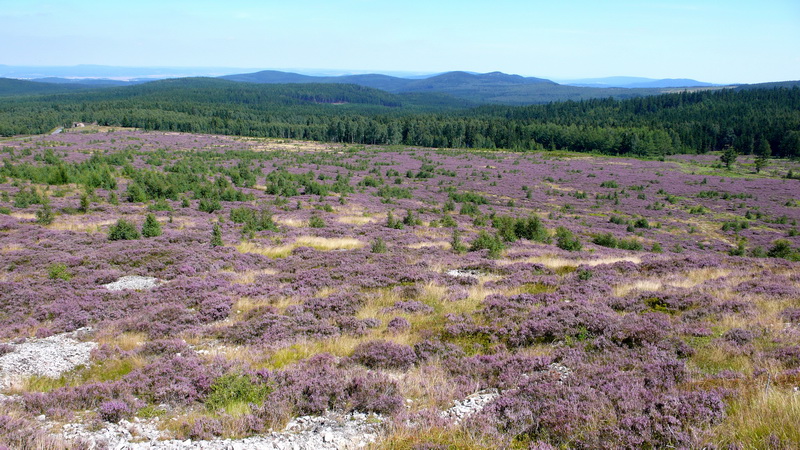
687,122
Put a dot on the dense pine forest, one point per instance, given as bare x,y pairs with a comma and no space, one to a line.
747,120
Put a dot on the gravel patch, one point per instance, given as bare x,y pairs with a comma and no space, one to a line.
332,431
50,357
134,282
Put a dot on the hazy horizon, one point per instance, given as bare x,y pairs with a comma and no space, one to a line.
739,42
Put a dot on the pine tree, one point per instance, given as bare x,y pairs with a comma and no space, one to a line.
45,215
151,227
216,236
728,156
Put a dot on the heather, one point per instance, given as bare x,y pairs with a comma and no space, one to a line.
611,302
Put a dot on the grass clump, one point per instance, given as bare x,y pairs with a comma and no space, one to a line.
233,394
59,271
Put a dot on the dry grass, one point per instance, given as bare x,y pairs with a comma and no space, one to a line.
429,386
290,222
315,242
279,251
355,220
125,341
73,224
249,277
641,285
23,216
321,243
757,416
556,262
441,244
699,276
11,248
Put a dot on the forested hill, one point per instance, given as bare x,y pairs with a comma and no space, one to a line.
671,123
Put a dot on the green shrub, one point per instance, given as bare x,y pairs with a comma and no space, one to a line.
160,205
448,221
486,241
122,230
378,246
316,222
209,205
781,248
566,240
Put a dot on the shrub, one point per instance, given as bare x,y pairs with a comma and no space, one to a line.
781,248
122,230
151,227
378,246
566,240
532,229
209,206
316,222
384,355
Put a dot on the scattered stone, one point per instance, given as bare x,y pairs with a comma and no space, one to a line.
470,405
464,273
563,372
331,431
134,282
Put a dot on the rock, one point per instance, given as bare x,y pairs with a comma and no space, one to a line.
134,282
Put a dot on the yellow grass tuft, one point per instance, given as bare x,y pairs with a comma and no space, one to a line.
11,248
23,216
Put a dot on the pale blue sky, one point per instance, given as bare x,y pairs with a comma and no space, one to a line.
718,41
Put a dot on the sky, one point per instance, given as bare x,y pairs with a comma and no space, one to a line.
719,41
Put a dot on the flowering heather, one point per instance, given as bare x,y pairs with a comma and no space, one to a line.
667,317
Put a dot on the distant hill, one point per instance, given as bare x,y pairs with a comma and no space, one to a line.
773,85
637,83
12,87
88,82
493,87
